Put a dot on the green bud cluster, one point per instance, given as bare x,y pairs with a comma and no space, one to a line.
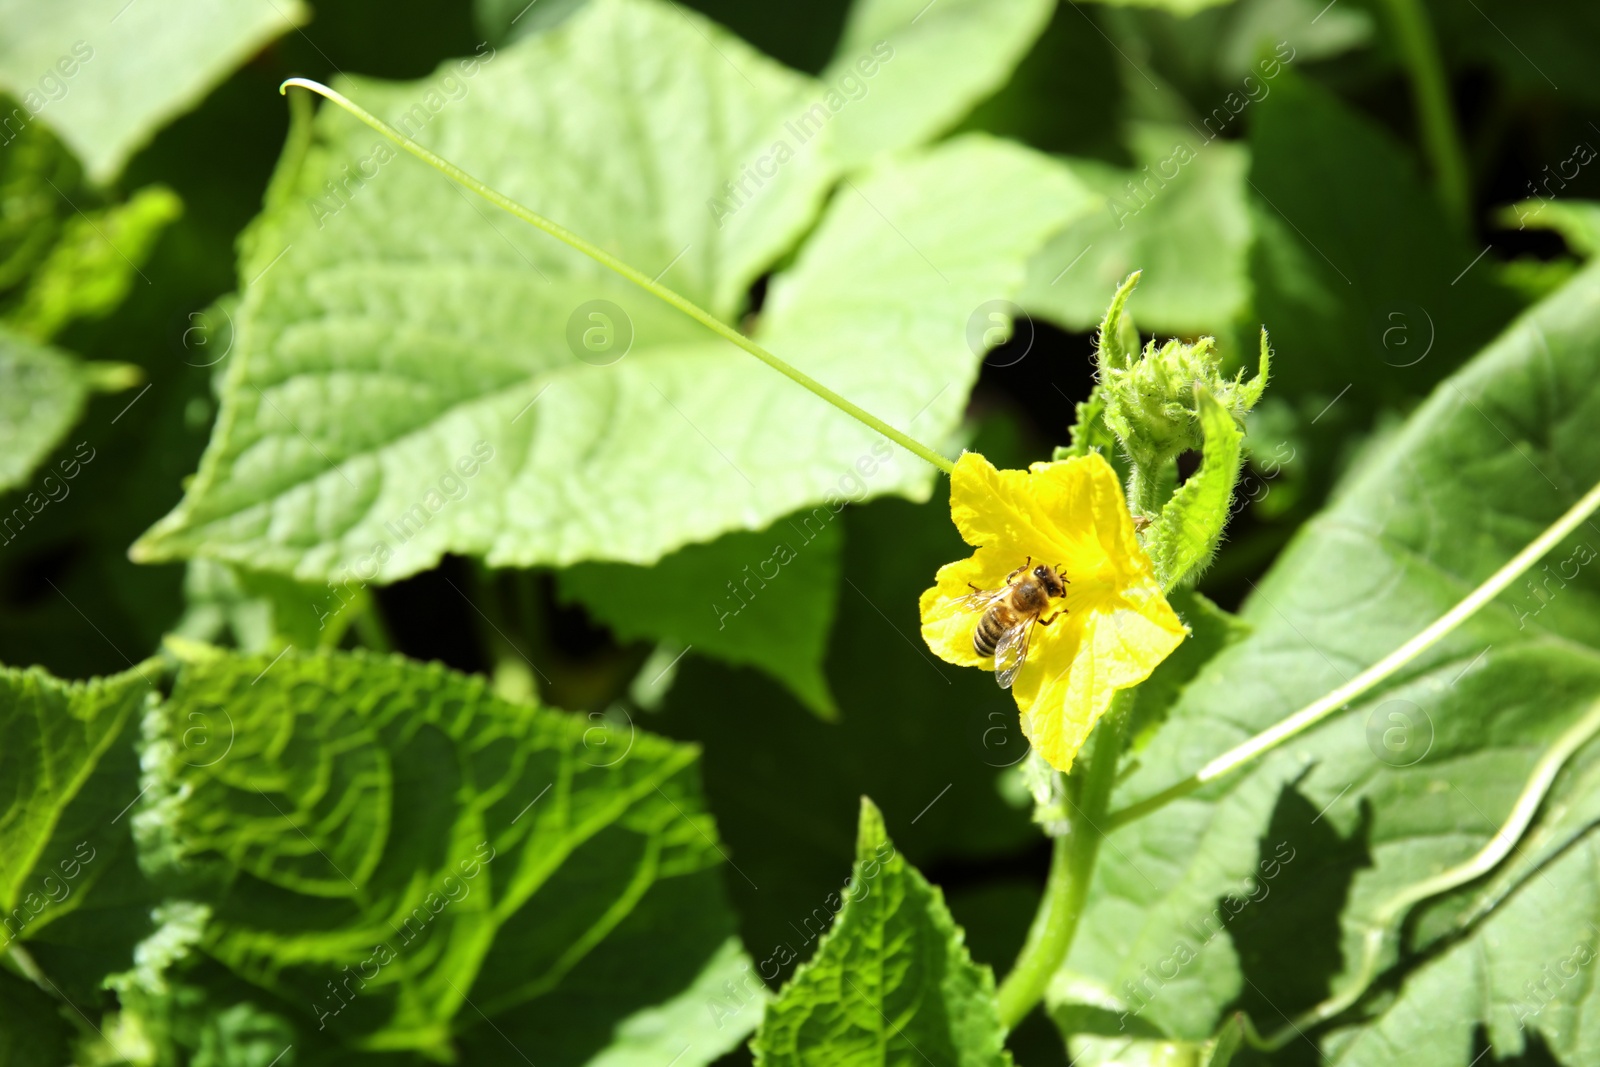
1152,398
1157,404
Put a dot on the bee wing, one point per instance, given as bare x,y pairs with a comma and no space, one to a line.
977,601
1011,651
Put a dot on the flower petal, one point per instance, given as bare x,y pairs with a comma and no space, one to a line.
948,622
1043,511
1116,625
1069,679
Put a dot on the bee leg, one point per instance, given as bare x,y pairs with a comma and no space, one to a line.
974,588
1046,622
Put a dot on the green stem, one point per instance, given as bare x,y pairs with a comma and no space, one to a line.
1071,865
1341,697
371,628
1419,50
1151,484
1144,491
1048,938
511,671
649,285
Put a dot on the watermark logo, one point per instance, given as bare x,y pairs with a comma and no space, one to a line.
207,736
608,738
1399,732
200,338
996,736
1402,333
599,332
845,89
1000,333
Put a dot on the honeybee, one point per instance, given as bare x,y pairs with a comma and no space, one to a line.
1009,615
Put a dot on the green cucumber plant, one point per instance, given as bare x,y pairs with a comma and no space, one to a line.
277,855
1165,401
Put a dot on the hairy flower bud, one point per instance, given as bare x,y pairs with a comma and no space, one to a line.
1152,398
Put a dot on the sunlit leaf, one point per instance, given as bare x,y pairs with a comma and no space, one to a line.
1179,215
905,70
94,263
406,334
106,74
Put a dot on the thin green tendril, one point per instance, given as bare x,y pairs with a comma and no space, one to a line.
649,285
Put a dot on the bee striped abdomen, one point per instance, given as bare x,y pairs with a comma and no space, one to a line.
990,629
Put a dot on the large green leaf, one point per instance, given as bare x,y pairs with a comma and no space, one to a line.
1179,215
891,982
396,859
414,333
1414,778
106,74
905,70
1525,976
337,322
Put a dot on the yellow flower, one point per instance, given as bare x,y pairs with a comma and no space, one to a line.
1117,625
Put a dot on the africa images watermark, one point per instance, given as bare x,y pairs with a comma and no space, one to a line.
452,890
851,487
446,90
55,889
740,993
451,487
52,87
1583,153
1142,189
55,489
1541,594
1551,980
847,88
1252,489
1141,994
